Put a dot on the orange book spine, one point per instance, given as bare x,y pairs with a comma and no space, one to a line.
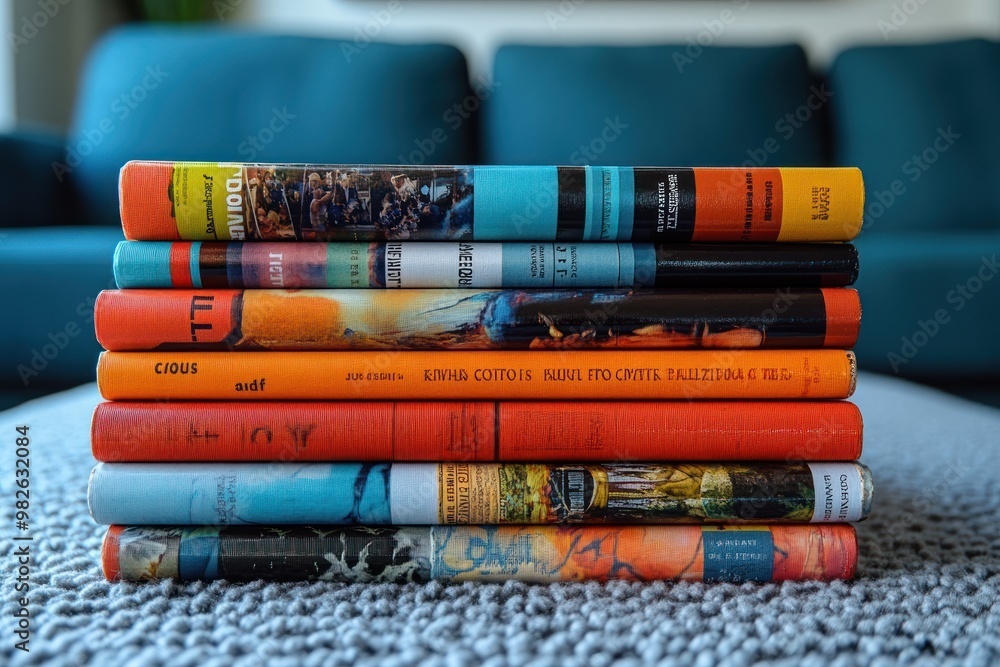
445,319
477,431
463,375
540,554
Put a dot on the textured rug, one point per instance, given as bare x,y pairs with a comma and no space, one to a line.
927,592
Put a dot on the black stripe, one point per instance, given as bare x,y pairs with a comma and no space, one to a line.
572,213
212,260
234,264
756,265
664,205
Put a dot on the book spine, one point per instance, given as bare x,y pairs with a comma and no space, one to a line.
151,264
184,319
471,431
202,201
477,493
481,553
464,375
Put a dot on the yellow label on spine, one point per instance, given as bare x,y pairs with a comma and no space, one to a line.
469,494
821,204
210,201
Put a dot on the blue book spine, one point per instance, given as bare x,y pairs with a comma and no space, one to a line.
466,493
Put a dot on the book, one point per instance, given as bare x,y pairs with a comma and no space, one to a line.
432,319
607,374
481,553
466,431
476,493
204,201
415,264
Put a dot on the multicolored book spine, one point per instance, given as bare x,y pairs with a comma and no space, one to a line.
476,493
183,319
481,553
202,201
415,264
477,431
611,374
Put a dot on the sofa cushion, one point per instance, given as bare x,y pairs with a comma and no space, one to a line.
40,197
929,304
54,275
921,123
654,105
223,95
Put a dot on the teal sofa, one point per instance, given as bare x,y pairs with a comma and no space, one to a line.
191,94
214,94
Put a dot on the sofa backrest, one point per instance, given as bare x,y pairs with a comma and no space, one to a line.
220,95
921,121
654,105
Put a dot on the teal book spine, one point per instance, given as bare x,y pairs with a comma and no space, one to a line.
475,265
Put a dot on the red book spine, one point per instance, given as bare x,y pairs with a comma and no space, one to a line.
477,431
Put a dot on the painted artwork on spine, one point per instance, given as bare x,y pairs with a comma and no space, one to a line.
481,553
632,493
475,319
464,493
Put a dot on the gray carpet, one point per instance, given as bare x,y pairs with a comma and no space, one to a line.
928,590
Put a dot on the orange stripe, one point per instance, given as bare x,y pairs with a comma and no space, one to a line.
722,198
823,552
843,317
144,197
180,265
110,553
204,317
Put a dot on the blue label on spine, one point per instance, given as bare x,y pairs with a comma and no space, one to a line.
512,203
595,202
199,553
645,265
626,265
626,203
737,555
142,264
527,264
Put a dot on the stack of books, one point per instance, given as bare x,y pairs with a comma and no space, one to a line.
590,373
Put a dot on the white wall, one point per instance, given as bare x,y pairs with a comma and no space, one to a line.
7,114
479,26
45,45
